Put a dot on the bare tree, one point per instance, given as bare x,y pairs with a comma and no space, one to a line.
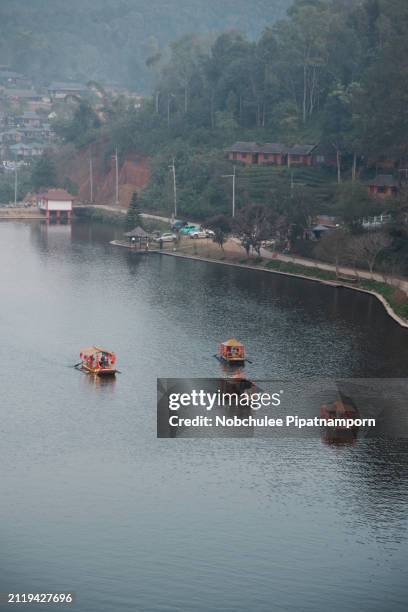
254,224
221,226
332,248
371,244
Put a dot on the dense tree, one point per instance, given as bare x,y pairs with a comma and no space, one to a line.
49,42
133,218
81,126
44,173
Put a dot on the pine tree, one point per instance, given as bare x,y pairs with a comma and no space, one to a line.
133,218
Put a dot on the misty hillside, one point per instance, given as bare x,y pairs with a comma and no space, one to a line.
110,40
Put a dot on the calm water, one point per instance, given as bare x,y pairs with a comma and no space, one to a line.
91,501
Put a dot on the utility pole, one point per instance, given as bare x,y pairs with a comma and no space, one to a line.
15,183
173,169
117,176
169,97
233,176
91,178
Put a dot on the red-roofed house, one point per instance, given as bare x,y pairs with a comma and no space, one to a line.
55,201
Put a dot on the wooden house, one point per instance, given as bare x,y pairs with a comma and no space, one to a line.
383,186
272,154
301,155
244,152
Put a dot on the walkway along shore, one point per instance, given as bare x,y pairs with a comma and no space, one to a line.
331,283
22,213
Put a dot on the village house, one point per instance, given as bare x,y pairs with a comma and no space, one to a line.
29,119
55,203
245,152
301,155
17,96
325,155
38,134
59,91
272,154
11,136
10,78
383,186
29,149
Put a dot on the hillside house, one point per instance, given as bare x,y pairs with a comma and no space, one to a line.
272,154
59,91
14,79
11,136
244,152
29,149
17,96
383,186
301,155
29,119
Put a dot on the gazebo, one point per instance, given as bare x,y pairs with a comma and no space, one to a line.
138,237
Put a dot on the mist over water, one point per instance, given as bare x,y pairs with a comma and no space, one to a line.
92,502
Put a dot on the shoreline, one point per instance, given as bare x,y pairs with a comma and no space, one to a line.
23,214
335,284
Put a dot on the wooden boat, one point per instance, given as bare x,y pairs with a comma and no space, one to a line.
232,352
343,408
97,361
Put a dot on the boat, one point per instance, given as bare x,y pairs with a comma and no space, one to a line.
232,352
343,408
98,361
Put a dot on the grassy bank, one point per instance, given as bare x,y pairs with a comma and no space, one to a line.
396,298
293,268
393,297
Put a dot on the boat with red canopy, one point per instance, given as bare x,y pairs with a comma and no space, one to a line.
232,352
98,361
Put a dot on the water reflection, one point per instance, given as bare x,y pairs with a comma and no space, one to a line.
91,498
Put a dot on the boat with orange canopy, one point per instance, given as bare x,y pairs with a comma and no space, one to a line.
232,352
98,361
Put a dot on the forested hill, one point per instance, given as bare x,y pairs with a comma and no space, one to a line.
110,40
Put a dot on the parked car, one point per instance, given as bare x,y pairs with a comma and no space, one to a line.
167,237
201,233
189,228
178,225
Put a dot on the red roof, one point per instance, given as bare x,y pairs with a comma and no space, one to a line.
56,194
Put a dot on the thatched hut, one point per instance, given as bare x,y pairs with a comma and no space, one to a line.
138,238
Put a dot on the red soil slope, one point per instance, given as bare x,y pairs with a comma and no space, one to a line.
134,173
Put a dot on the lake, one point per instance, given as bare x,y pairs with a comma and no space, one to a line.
92,502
